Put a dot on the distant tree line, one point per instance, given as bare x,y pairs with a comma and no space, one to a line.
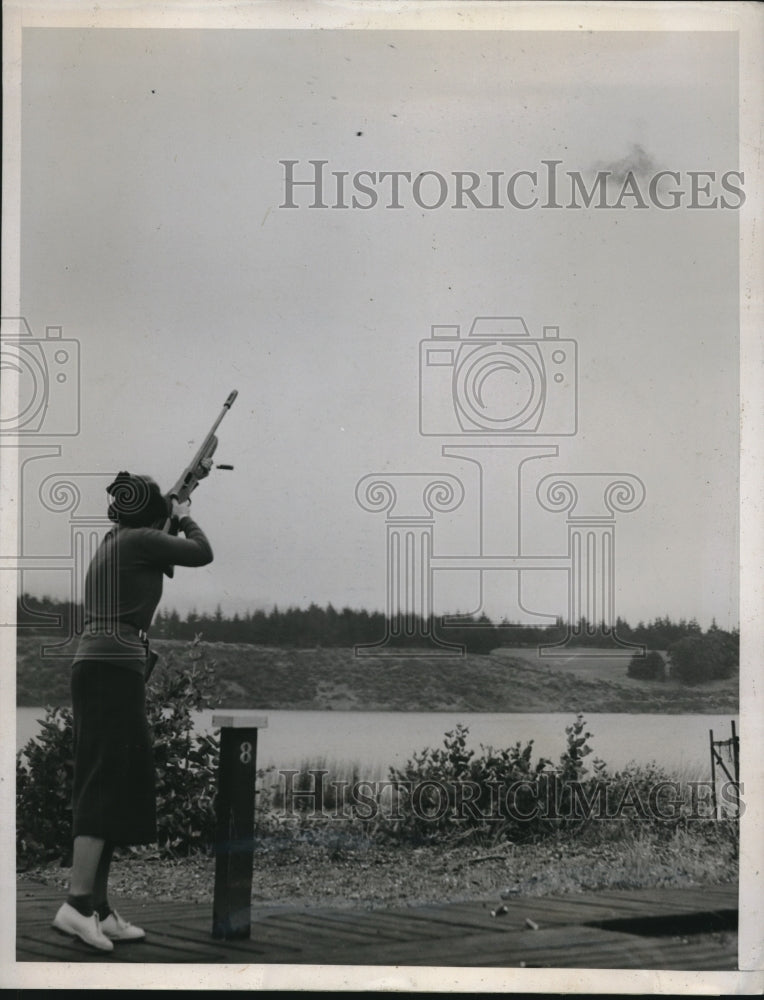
692,659
316,626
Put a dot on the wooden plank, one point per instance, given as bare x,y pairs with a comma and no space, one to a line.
454,935
556,948
608,950
457,920
728,891
399,925
46,955
697,955
260,941
655,894
563,909
489,951
347,921
689,899
494,949
322,930
72,949
576,909
33,950
612,906
549,911
246,950
289,941
41,905
48,896
470,949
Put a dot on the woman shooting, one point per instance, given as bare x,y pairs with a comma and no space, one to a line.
113,800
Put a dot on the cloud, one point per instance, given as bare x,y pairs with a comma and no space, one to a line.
637,162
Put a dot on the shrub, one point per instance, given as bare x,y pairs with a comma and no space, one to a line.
185,764
44,790
647,668
696,659
499,793
538,800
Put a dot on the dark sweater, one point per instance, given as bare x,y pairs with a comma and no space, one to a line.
123,587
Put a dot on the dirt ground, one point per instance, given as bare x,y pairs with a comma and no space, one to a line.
367,875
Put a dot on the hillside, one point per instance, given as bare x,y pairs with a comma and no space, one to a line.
321,679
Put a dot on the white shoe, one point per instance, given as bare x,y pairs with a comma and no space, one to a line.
117,929
87,929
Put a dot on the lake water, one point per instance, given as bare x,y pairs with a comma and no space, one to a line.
375,740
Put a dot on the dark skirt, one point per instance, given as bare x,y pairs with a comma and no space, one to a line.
113,791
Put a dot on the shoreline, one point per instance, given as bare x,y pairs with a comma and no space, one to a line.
506,681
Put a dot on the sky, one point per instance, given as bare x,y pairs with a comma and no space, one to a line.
152,234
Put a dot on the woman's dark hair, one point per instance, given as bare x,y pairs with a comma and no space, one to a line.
136,501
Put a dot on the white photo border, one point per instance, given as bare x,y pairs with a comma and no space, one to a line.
744,18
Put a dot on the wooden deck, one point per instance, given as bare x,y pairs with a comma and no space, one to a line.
687,929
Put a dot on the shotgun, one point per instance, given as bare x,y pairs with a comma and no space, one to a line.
200,467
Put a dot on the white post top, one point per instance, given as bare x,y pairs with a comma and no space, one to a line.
232,718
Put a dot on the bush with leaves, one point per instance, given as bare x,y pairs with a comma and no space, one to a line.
185,763
504,795
452,790
649,667
700,658
44,771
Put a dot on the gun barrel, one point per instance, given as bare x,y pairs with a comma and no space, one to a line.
208,446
